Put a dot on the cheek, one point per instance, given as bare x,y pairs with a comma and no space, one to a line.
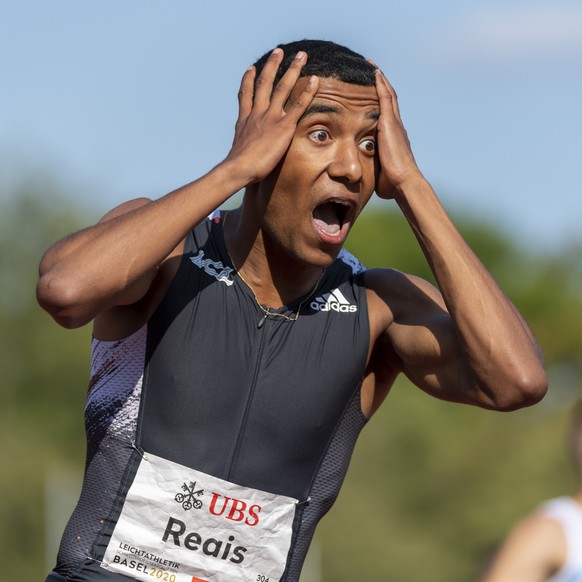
300,170
301,162
291,192
368,185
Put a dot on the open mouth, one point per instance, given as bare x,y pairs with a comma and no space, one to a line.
333,219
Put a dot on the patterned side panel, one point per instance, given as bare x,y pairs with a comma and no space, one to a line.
110,420
112,403
326,485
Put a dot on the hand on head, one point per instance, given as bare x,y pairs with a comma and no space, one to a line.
268,116
270,109
396,162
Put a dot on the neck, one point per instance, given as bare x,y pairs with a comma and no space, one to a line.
275,278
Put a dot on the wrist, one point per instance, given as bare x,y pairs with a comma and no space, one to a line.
232,175
415,186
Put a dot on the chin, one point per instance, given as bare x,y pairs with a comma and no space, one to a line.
322,257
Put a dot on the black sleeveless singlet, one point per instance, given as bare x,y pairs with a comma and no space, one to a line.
212,384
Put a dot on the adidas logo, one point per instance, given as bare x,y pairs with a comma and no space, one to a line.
333,301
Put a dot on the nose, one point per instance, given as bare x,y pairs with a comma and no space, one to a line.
346,164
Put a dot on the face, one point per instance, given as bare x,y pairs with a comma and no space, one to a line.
327,175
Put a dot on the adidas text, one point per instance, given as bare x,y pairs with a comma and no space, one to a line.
333,306
333,301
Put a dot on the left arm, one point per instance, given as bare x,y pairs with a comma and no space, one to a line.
467,343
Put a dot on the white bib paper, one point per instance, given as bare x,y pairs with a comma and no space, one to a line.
182,525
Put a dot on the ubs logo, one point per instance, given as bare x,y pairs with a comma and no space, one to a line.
228,508
189,499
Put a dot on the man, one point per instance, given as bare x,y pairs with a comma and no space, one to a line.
546,546
236,358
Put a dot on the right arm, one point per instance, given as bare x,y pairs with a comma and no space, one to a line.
115,262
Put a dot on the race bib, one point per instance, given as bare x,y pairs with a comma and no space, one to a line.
182,525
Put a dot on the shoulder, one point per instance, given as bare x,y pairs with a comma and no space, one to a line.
408,317
401,295
392,282
123,320
536,544
540,530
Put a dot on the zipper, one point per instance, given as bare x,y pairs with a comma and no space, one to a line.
258,360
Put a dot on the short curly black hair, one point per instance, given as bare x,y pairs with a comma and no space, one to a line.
325,59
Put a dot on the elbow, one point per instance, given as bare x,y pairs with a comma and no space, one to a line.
522,391
60,301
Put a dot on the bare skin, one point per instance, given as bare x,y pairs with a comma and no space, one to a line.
534,551
536,548
312,142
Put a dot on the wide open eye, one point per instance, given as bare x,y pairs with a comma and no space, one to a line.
369,146
319,136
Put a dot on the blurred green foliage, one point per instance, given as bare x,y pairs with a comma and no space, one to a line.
433,486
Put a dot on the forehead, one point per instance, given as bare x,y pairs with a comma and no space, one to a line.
346,94
341,96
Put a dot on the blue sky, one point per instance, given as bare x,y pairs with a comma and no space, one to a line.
128,98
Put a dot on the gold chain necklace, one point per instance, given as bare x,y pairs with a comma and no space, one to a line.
267,311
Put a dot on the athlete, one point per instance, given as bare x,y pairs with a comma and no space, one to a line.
237,355
546,546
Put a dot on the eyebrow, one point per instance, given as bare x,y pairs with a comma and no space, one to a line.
321,108
326,108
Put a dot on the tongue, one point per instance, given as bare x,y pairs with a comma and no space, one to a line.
326,218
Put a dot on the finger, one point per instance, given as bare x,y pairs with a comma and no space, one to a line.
383,86
264,84
287,83
245,93
297,105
